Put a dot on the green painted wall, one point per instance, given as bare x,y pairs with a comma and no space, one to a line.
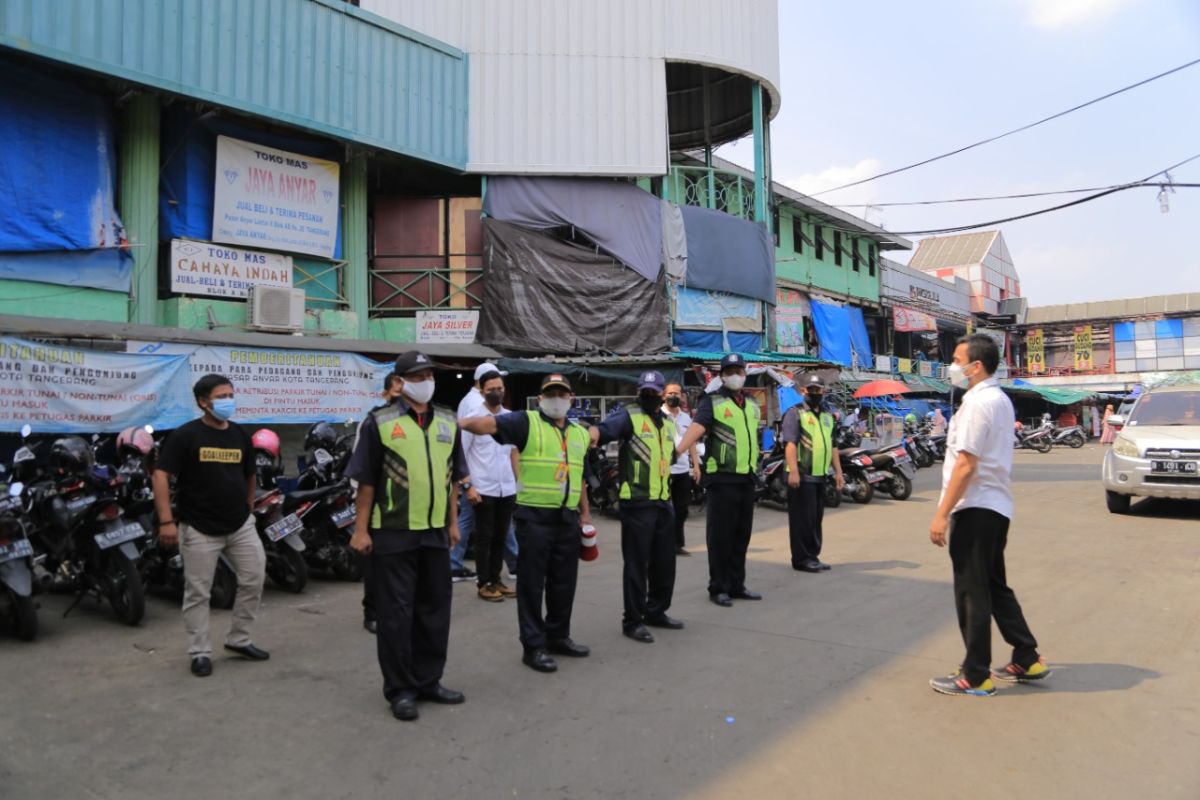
393,329
230,315
25,298
804,268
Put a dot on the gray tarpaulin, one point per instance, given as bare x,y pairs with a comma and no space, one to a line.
674,241
623,220
728,254
543,295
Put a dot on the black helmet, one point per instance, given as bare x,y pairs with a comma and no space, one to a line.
320,435
70,455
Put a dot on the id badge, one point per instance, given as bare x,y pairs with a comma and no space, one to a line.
560,474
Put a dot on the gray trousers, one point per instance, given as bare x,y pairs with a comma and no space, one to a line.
200,553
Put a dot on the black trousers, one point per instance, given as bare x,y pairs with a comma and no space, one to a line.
368,577
806,511
492,516
412,604
681,499
648,548
549,552
730,519
977,540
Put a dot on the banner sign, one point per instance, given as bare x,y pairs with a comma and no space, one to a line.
926,369
1083,347
446,326
69,390
790,309
883,363
904,365
218,270
907,320
1035,351
275,199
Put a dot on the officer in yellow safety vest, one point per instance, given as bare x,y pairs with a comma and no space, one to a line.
407,463
808,437
729,422
647,437
551,507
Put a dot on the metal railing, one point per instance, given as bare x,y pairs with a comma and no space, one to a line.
395,290
711,188
326,295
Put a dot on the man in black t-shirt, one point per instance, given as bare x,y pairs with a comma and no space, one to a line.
213,462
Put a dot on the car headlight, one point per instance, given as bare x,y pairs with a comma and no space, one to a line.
1125,447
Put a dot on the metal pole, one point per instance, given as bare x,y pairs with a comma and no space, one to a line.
760,158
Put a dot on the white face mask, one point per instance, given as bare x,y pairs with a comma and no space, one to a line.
957,376
734,382
419,391
555,407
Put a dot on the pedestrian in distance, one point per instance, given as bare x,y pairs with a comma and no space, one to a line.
407,462
551,510
686,469
810,453
728,420
974,512
647,438
212,462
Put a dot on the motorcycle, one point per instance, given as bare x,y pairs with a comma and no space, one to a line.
16,565
1072,436
1036,439
328,516
771,482
603,482
280,535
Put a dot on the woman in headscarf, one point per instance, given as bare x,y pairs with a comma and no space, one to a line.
1109,433
939,422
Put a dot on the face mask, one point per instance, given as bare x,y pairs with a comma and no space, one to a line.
734,383
814,399
494,398
224,407
419,392
958,377
650,402
555,407
673,401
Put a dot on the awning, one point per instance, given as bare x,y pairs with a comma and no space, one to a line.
925,384
1056,396
753,358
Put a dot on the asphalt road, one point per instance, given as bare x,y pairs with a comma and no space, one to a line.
820,690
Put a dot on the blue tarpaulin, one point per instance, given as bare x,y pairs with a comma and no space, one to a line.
189,168
94,269
833,331
860,342
729,254
714,341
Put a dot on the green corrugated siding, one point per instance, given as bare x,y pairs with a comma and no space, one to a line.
323,65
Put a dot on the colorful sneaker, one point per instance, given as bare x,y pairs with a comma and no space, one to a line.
957,684
1015,672
490,593
504,590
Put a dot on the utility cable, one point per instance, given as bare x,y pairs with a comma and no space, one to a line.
1010,196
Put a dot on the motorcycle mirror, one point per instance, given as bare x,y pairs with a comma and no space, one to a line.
14,490
148,428
26,430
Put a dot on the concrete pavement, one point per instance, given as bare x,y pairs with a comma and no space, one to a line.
819,690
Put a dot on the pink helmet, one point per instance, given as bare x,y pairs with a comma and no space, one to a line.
266,440
138,439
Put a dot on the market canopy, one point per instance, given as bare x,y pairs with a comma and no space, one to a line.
1055,395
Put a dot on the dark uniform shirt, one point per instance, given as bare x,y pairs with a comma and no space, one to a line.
366,467
704,416
618,427
790,432
514,429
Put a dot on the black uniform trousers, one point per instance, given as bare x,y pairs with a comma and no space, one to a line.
412,605
977,540
806,512
548,540
492,516
648,548
730,519
681,499
368,578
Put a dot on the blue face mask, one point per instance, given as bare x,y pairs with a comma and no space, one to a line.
224,407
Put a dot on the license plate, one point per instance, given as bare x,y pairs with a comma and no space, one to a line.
116,536
1175,467
20,548
284,527
344,518
874,477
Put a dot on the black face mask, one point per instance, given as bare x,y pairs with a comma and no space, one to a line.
814,399
494,398
649,402
673,401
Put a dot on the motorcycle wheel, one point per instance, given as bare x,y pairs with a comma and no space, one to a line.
24,616
125,593
833,498
348,566
224,588
926,458
778,490
901,488
288,569
863,492
1042,445
1075,442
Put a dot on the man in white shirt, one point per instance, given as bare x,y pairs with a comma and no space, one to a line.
975,509
685,469
491,491
471,403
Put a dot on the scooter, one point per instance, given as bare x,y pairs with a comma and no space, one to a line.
16,564
1072,436
1037,439
604,482
281,540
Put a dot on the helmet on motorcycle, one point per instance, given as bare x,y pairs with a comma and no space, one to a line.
320,435
134,441
70,455
266,440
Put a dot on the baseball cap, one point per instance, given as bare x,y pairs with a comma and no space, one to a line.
814,380
485,368
652,380
412,361
732,360
556,379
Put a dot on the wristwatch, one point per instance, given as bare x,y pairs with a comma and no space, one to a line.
465,485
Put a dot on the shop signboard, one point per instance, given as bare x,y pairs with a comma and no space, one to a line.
790,309
1035,351
274,199
219,270
446,326
908,320
1083,347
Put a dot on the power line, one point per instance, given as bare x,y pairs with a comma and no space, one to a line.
1011,132
1080,201
1007,196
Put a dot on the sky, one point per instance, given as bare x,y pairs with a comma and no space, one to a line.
876,84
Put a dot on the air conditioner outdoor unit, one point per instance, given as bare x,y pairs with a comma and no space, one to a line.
273,308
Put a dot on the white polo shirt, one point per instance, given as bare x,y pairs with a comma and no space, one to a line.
683,421
983,427
488,461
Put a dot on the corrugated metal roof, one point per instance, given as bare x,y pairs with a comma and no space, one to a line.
322,65
1115,309
953,251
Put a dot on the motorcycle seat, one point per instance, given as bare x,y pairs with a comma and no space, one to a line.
306,495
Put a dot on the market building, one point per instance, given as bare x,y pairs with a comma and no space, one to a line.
928,314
